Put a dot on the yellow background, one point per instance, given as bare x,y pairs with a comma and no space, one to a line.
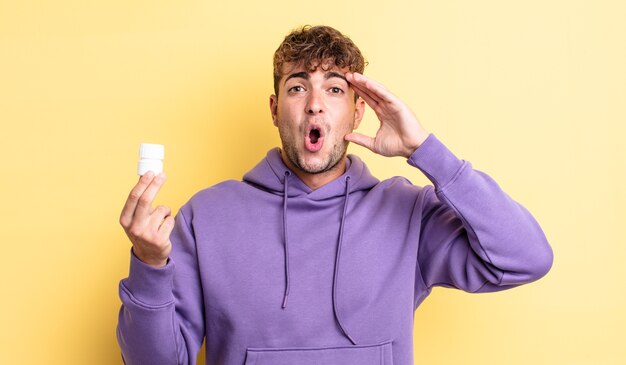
532,92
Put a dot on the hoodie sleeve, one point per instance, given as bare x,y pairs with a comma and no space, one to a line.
161,319
473,236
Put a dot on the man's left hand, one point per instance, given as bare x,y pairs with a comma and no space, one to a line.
400,133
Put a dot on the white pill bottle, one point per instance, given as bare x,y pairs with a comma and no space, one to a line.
151,157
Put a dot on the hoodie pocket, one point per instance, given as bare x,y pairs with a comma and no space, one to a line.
378,354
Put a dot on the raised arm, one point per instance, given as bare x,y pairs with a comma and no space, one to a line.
474,236
161,318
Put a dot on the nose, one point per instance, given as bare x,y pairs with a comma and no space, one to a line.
315,103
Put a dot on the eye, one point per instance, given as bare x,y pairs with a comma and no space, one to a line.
336,90
296,89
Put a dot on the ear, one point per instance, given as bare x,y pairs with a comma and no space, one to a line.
359,110
274,108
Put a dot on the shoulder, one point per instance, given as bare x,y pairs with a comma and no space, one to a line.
215,197
399,185
399,191
228,187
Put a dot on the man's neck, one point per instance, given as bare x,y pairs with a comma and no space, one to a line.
316,181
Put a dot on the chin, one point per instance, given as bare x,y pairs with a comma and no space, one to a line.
326,159
313,166
318,165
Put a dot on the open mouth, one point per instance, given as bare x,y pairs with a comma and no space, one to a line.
314,139
314,135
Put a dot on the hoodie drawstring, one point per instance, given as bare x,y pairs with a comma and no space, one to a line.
337,255
285,237
341,229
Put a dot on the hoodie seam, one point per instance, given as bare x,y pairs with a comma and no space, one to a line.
428,190
273,349
143,304
466,225
189,227
455,177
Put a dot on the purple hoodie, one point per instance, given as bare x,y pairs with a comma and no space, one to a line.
276,273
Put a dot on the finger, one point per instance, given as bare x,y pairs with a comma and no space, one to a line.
158,215
366,96
128,211
361,140
144,206
361,82
369,97
166,228
374,88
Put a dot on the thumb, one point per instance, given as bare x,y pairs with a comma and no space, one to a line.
361,140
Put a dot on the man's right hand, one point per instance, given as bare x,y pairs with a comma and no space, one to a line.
148,229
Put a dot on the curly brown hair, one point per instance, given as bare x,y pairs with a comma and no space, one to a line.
317,46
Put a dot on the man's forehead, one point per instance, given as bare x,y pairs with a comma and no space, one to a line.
289,68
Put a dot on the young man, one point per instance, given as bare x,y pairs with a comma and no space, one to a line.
310,259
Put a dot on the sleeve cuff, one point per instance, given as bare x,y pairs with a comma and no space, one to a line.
436,161
148,284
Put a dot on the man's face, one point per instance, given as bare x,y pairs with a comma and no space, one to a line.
313,113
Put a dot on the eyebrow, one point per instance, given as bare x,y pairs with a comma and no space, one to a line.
332,74
301,75
306,76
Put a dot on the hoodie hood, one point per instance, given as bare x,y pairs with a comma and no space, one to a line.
272,175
